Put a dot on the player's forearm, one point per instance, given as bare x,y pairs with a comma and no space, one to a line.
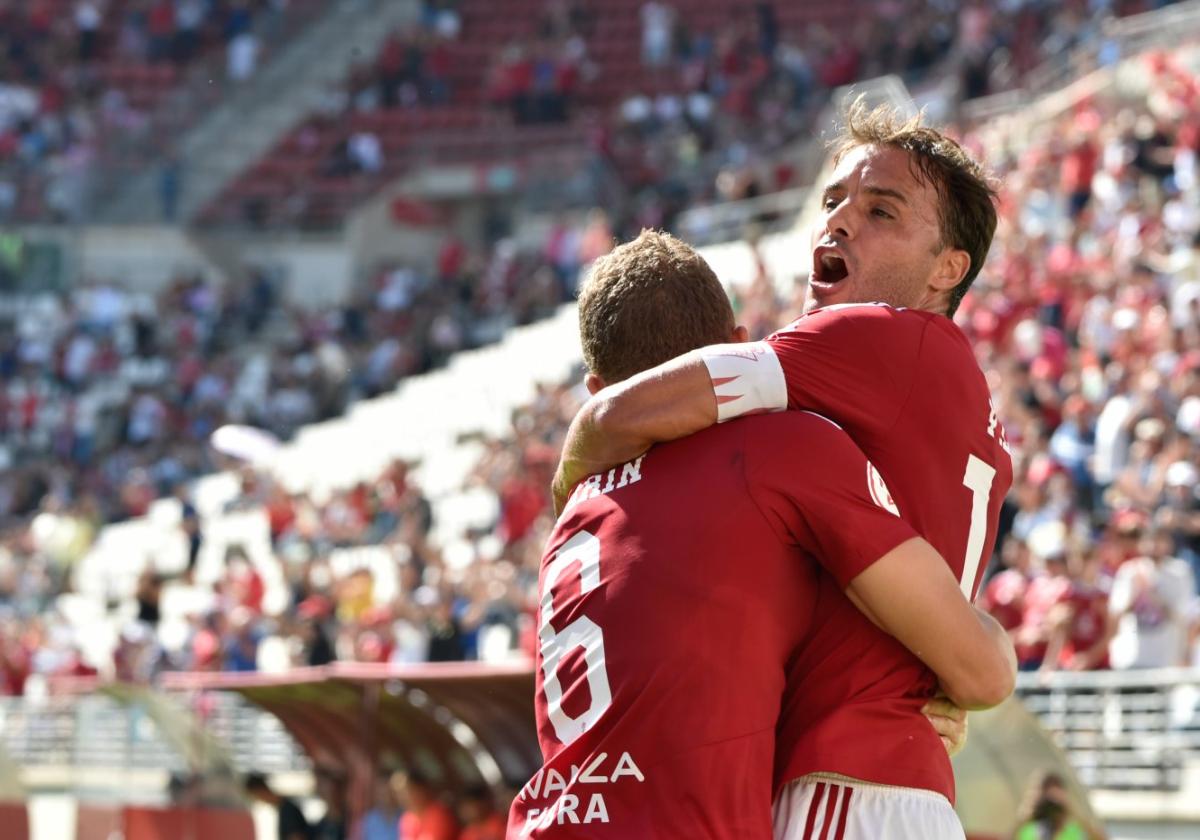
1004,670
1054,648
622,421
912,594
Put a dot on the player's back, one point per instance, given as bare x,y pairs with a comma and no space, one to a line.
907,389
668,611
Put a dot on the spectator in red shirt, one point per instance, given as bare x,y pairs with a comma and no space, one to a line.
1082,627
14,665
427,817
1045,591
1003,597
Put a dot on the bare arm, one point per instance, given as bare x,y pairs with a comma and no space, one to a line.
912,594
1059,624
622,421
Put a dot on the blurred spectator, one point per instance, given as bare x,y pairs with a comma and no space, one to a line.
148,595
480,818
1051,814
366,152
426,817
382,821
1081,627
242,56
290,819
658,26
331,789
1151,600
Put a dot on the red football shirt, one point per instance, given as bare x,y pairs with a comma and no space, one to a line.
1089,624
671,599
906,388
435,822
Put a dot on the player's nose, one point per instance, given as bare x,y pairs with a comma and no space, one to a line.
840,222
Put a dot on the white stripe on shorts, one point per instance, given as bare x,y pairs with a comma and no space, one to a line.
832,808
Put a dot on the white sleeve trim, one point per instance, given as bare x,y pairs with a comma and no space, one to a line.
746,379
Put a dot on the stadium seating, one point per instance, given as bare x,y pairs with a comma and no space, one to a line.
467,131
135,59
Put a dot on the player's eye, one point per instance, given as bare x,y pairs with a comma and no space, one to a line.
881,213
830,203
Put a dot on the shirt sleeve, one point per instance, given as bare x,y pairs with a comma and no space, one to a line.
854,364
818,491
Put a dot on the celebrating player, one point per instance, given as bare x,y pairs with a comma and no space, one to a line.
907,221
673,594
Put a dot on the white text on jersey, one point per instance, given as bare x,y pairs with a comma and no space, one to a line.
601,484
566,807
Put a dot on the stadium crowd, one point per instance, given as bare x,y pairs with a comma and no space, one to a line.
1086,319
108,399
716,107
80,82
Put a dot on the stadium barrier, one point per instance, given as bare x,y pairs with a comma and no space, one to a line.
1123,730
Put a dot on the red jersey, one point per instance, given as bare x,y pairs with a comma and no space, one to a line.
906,388
1004,598
1089,624
435,822
672,595
1042,595
492,828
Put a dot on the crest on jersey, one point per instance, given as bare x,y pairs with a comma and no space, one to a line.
880,494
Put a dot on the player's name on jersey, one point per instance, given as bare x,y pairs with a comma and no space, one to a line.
567,801
601,484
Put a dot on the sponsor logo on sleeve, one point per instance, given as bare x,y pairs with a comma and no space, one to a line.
880,494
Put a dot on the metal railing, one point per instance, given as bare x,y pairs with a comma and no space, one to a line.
1121,730
98,732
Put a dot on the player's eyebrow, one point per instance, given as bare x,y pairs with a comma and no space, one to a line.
882,192
836,186
886,192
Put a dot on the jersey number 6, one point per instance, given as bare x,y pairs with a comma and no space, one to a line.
580,633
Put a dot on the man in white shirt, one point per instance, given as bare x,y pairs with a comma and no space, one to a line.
1151,599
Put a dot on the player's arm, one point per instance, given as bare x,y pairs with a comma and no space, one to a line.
1086,660
911,594
817,488
1058,622
623,420
853,365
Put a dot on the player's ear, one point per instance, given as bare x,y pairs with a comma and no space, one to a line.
740,335
593,383
952,266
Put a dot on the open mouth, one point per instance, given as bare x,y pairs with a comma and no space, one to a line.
829,269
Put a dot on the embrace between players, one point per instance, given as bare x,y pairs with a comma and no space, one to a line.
741,632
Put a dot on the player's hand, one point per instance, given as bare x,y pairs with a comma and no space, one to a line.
950,723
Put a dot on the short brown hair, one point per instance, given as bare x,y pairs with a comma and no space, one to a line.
966,194
647,302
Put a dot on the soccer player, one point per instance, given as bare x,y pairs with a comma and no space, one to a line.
907,221
672,593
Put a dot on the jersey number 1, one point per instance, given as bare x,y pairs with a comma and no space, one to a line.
978,479
580,633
